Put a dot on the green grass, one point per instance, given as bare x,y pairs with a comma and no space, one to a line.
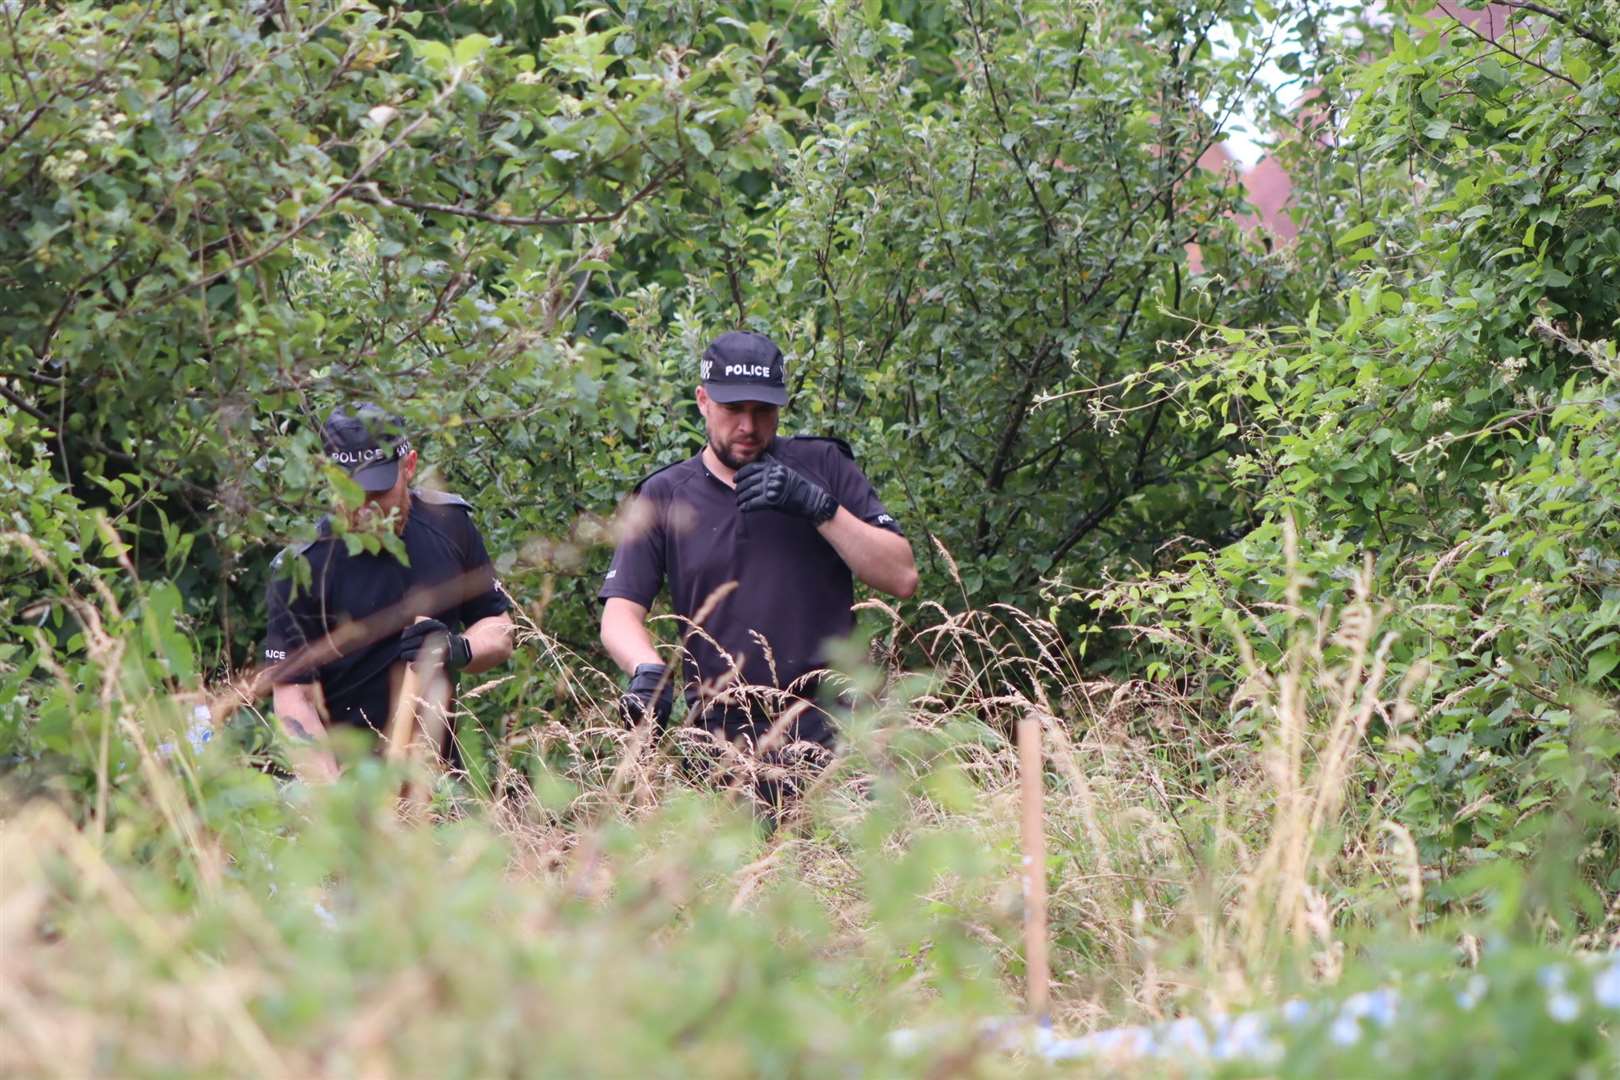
588,908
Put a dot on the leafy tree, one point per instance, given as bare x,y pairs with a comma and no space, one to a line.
1449,417
219,219
969,268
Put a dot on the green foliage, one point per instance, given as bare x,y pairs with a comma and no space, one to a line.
346,945
544,936
1451,417
1522,1013
220,221
185,913
970,266
518,223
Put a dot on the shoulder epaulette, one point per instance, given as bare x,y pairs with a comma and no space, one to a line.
440,498
323,531
293,549
835,440
662,468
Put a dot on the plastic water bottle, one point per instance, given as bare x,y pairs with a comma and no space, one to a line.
202,727
199,733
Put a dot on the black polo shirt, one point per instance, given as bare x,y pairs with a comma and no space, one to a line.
794,592
343,627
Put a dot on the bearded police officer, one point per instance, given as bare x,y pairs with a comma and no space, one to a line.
790,521
362,616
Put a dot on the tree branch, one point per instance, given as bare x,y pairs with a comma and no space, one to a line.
347,188
372,195
1090,521
1520,57
1559,17
25,405
1001,119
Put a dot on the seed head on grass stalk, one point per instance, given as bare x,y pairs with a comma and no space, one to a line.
1329,688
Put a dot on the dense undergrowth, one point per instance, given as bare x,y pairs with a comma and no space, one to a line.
1304,557
585,907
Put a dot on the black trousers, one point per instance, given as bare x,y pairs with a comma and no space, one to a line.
782,749
756,723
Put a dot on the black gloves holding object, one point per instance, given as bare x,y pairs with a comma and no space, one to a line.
457,654
767,484
649,689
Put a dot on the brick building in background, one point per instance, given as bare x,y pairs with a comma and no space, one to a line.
1267,185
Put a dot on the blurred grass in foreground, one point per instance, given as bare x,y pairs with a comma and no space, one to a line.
583,908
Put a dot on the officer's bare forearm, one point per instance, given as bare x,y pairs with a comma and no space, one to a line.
491,642
625,635
295,707
877,557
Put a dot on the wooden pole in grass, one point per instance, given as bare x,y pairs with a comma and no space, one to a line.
1030,784
402,725
425,685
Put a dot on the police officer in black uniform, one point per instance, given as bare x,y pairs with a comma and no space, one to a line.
791,521
352,624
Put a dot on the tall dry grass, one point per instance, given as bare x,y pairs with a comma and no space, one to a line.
1191,866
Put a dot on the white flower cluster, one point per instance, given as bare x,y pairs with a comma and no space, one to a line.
1102,416
199,734
104,129
1511,367
63,168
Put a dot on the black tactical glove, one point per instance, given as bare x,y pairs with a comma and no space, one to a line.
457,654
767,484
649,689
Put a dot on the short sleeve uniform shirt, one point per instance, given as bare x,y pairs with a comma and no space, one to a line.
342,628
793,592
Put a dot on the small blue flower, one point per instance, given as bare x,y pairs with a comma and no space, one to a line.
1563,1006
1606,987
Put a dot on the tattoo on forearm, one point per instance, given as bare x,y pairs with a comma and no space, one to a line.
297,730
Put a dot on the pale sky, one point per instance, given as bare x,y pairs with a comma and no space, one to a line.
1246,139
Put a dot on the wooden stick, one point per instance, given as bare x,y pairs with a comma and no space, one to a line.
402,725
1031,783
425,685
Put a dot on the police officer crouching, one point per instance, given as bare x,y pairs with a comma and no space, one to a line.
364,616
792,522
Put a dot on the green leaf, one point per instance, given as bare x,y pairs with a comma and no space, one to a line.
470,48
435,55
1354,235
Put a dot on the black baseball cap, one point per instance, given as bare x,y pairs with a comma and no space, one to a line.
367,443
744,366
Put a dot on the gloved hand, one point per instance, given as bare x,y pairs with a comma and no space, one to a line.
767,484
645,692
457,654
